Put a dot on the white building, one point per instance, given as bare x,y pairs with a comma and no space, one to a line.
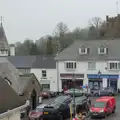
92,63
44,69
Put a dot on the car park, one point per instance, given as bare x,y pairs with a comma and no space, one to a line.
37,113
103,107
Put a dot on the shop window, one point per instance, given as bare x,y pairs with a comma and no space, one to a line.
46,86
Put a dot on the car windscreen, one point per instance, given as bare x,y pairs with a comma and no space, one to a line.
61,99
99,104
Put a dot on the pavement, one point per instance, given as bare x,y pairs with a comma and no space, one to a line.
115,116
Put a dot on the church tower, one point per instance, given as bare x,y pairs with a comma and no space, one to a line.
4,47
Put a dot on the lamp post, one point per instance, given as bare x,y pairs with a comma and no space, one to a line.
99,73
73,80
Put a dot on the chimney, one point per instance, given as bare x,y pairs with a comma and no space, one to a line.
107,18
12,50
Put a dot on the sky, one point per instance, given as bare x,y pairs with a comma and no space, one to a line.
33,19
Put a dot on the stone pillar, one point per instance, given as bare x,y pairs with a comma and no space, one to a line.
85,81
118,83
104,82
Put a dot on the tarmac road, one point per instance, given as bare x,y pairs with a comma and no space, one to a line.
115,116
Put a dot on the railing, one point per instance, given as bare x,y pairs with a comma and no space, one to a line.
10,112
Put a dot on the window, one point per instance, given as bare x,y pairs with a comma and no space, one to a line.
91,65
114,65
44,74
83,50
46,86
102,50
70,65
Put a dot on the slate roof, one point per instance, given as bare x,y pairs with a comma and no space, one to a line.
46,62
3,39
9,99
72,52
8,70
22,61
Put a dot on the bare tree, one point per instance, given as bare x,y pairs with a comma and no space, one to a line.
60,29
96,22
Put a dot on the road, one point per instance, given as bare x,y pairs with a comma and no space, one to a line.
115,116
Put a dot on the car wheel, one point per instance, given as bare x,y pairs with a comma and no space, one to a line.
113,111
105,115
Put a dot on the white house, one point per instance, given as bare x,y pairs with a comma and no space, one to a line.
92,63
44,69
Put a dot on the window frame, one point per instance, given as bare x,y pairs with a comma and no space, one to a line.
114,68
46,87
85,50
99,50
93,63
44,73
70,65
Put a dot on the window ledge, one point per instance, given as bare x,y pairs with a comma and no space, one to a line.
70,69
91,68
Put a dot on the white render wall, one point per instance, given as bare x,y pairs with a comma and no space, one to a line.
82,68
13,116
51,77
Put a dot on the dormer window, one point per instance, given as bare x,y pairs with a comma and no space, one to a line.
102,49
83,50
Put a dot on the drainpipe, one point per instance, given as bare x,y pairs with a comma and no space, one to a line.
57,76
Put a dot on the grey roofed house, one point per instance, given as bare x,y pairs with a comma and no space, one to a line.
46,62
9,99
22,61
3,39
72,52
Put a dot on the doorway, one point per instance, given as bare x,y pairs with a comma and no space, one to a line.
34,99
112,83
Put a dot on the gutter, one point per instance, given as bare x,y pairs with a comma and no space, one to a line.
10,112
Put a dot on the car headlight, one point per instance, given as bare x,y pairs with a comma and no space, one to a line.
90,110
101,110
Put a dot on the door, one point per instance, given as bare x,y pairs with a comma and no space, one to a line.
113,83
109,109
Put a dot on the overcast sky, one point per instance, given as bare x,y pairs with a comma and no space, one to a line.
35,18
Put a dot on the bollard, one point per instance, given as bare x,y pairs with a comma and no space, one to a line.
71,112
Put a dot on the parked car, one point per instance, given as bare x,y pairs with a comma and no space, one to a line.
103,107
104,92
77,92
48,94
37,113
58,109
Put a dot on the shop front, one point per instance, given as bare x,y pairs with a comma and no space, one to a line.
67,80
102,80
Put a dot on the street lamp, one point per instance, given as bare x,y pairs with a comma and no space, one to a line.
99,73
73,80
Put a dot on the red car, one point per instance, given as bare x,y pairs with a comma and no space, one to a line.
48,94
37,113
103,106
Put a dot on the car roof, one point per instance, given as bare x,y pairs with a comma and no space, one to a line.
42,106
104,99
